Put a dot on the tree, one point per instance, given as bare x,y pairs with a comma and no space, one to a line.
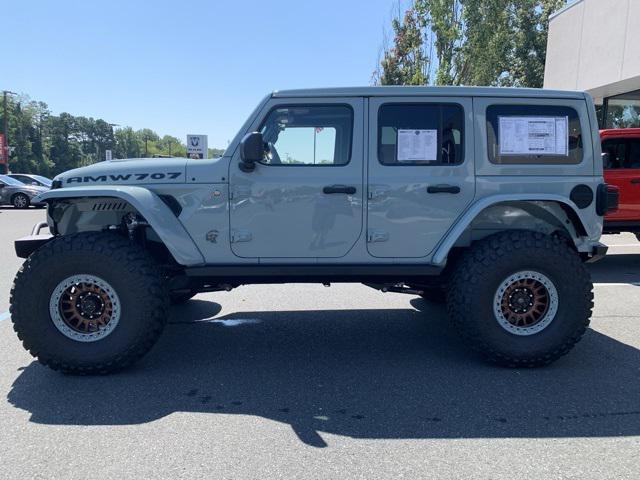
405,63
49,144
476,42
127,145
530,30
444,19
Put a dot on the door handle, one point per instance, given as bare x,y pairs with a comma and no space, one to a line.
443,189
349,190
635,180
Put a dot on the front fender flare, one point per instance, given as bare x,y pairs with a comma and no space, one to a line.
442,250
151,207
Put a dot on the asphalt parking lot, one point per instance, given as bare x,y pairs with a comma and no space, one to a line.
303,381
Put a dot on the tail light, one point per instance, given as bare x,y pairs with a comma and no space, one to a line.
607,199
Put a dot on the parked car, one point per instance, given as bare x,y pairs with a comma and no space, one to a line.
16,193
491,199
621,147
30,179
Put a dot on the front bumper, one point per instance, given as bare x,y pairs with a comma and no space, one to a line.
25,246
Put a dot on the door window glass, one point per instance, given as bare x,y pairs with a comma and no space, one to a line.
308,135
420,134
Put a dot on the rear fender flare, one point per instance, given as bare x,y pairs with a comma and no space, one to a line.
458,229
161,219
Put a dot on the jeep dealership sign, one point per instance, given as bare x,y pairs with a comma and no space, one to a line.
197,146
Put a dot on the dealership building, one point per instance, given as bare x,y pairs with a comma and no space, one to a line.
594,45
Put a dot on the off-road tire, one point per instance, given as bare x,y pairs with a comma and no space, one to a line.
479,273
20,200
435,295
180,297
134,276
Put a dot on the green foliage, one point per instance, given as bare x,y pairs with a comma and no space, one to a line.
406,63
47,144
530,26
472,42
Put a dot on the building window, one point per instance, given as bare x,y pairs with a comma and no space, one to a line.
622,111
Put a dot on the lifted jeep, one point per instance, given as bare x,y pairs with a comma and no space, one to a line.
488,199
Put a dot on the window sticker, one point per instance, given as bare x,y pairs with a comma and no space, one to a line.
534,135
417,145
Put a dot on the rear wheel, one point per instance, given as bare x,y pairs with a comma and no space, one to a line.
434,295
89,303
521,298
20,200
181,296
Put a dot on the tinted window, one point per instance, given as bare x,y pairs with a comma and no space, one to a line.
420,134
533,134
623,153
308,135
634,153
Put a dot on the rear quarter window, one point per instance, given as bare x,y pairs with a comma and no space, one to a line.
533,134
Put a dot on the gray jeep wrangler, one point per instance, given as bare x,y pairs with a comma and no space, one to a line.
488,199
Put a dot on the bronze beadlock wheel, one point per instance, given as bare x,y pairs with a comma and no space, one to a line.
525,303
84,308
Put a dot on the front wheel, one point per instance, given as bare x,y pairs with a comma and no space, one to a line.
89,303
20,200
521,299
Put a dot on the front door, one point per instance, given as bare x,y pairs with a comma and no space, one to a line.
421,176
623,171
305,199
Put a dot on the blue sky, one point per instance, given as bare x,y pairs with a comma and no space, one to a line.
192,66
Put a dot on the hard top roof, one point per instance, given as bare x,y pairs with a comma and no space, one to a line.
399,91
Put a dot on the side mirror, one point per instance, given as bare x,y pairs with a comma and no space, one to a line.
251,151
606,160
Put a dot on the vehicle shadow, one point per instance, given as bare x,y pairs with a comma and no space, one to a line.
394,373
619,268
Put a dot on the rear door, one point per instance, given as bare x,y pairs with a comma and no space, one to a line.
420,172
623,171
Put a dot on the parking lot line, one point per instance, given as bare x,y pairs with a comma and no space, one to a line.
4,315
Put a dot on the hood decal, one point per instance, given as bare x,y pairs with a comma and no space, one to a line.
125,177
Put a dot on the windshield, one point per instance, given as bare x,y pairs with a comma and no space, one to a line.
43,180
11,181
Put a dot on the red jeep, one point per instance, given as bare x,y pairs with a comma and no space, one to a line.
622,169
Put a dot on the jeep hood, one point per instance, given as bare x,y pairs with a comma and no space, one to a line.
131,171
